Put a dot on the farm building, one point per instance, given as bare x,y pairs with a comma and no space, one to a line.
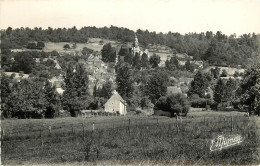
116,104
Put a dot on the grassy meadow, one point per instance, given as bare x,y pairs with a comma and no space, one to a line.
140,140
93,43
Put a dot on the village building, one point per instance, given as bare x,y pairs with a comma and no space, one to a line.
116,104
57,81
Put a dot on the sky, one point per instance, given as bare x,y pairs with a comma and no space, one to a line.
183,16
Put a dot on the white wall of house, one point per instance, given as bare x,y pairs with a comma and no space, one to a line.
115,104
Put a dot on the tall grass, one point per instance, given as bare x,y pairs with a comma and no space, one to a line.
143,141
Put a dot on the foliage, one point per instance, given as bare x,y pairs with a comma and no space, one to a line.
217,48
108,53
189,66
86,51
176,104
224,73
198,102
144,60
172,64
219,91
52,99
137,61
236,74
124,80
157,85
199,85
29,98
66,46
23,62
215,72
249,90
154,60
75,96
124,50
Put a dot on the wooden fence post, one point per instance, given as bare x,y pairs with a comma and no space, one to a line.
41,137
113,125
231,122
157,122
2,135
177,125
40,133
129,131
83,132
93,127
50,130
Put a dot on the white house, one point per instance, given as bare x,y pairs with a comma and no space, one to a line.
116,104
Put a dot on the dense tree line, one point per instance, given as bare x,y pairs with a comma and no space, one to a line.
217,49
17,38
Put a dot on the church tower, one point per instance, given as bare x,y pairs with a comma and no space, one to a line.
136,46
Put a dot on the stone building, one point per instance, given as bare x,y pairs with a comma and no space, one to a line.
116,104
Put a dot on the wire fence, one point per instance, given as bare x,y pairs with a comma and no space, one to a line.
61,130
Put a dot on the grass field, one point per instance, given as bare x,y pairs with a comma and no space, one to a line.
93,44
143,140
230,70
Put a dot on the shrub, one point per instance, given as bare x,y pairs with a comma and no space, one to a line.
236,74
176,104
66,46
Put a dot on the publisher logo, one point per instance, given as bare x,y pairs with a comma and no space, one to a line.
222,142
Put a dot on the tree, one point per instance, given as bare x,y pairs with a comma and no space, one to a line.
107,90
198,85
236,74
75,96
155,60
157,85
137,62
224,73
124,81
24,62
66,46
129,58
146,103
249,90
144,60
52,99
173,64
189,67
6,91
215,72
55,53
176,104
108,53
31,46
86,51
40,45
9,31
74,45
230,90
219,92
124,50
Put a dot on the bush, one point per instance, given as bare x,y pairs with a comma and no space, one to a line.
176,104
236,74
198,102
224,73
66,46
